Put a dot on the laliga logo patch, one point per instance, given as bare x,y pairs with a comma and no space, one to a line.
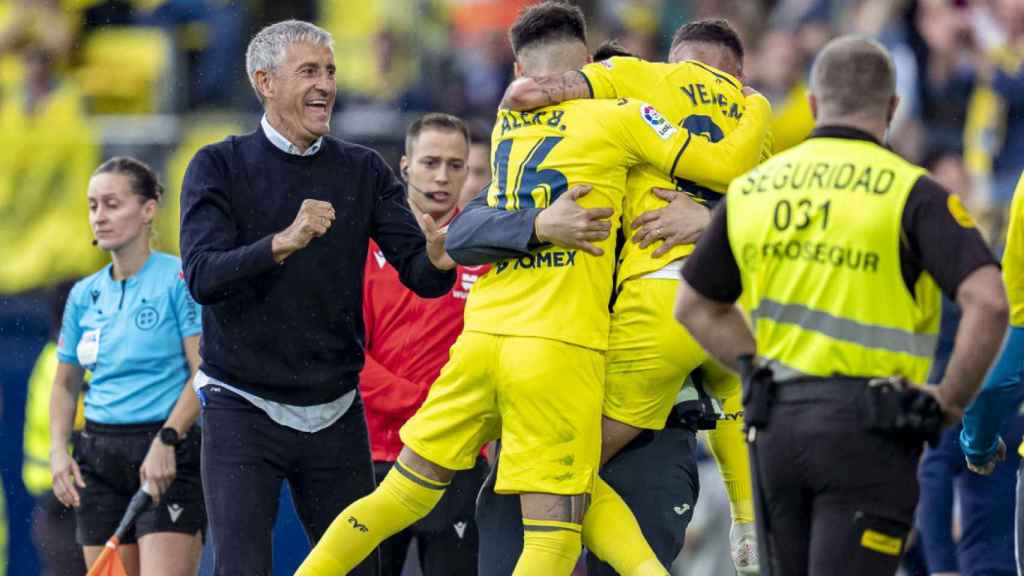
652,116
959,213
654,119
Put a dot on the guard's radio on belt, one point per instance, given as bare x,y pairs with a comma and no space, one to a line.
895,406
890,406
758,392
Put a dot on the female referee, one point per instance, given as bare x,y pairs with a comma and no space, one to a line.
135,327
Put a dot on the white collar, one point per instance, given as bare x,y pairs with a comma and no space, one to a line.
283,144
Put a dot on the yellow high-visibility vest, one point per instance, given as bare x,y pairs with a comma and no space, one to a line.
816,232
35,471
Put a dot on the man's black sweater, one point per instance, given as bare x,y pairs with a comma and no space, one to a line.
292,332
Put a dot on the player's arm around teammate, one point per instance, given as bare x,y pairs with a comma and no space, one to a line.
553,502
134,326
484,234
706,57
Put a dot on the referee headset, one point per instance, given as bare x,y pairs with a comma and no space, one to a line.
408,182
404,171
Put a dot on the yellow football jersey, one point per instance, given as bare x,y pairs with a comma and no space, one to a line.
1013,257
697,97
553,292
1013,262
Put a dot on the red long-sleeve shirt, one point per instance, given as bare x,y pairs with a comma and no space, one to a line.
407,343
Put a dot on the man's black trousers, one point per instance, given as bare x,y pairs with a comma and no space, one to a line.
839,499
246,456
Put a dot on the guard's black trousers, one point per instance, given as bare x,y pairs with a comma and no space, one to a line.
839,499
1019,532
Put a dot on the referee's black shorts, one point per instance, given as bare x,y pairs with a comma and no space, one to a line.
109,457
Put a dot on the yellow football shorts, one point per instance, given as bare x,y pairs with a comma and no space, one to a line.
541,396
649,354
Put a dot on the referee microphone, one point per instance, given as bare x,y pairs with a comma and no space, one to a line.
408,182
405,178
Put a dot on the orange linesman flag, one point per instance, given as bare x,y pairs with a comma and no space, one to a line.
109,563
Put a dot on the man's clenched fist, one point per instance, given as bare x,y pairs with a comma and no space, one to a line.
314,219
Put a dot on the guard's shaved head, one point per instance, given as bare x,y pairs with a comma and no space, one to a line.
853,77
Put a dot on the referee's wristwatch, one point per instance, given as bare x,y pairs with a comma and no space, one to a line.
169,436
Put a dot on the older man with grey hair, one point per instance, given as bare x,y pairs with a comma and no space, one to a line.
274,234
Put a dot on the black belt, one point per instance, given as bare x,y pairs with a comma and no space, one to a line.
133,428
806,389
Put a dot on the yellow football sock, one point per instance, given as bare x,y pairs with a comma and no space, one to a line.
401,499
729,447
550,548
611,532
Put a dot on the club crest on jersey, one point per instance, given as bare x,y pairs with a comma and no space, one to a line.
663,128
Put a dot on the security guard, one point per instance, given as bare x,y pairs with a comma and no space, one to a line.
839,248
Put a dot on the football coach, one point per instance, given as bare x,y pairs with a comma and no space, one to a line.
274,232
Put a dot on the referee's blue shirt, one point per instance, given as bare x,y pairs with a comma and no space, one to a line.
129,334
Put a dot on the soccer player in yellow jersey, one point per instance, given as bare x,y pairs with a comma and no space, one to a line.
649,358
529,365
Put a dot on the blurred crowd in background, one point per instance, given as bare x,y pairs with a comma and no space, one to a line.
82,80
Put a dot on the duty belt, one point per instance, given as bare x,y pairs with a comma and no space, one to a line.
810,388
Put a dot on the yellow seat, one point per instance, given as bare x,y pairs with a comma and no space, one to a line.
124,70
356,34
